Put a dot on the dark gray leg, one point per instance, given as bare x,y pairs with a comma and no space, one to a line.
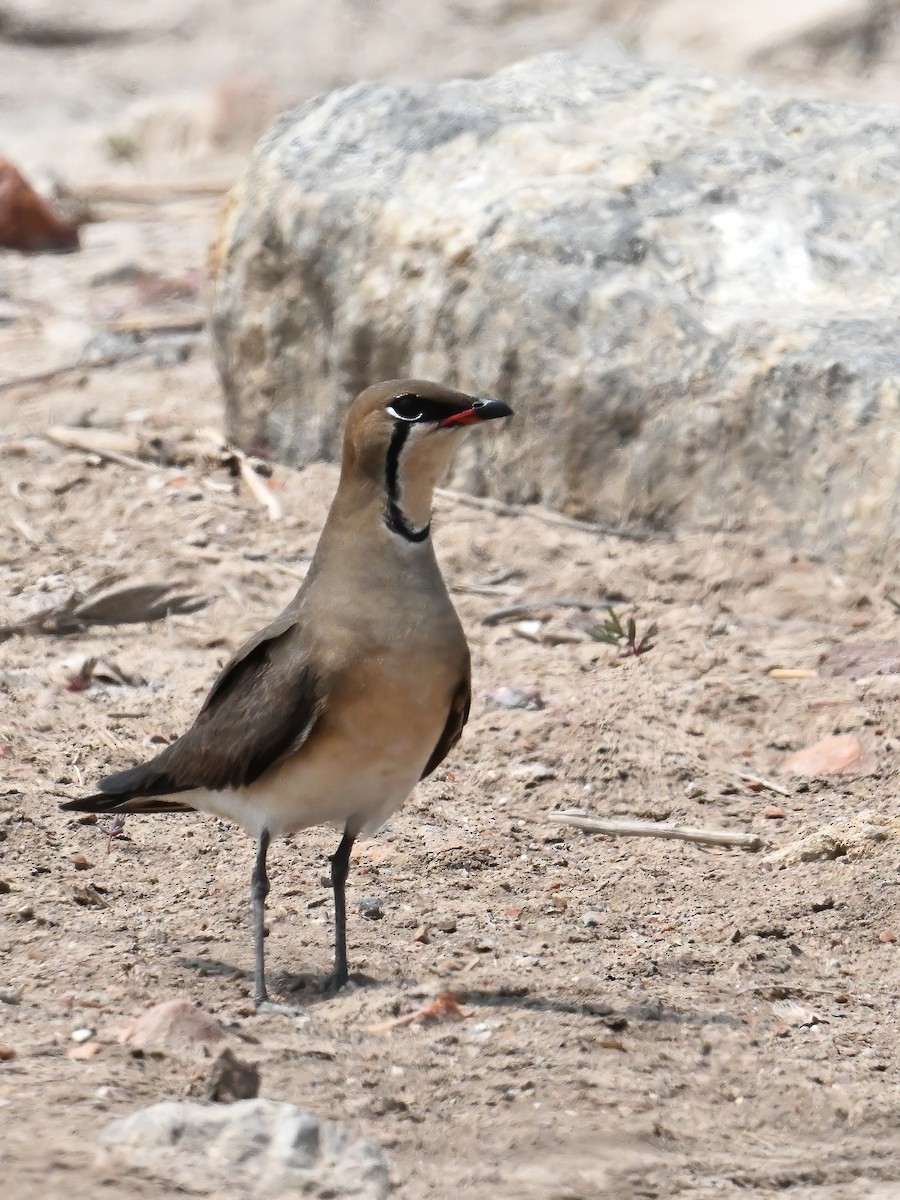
340,866
259,889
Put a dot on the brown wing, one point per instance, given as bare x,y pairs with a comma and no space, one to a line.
261,708
456,719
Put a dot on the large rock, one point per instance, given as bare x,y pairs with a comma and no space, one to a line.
252,1148
685,287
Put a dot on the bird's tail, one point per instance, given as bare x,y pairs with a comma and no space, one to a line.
99,803
141,789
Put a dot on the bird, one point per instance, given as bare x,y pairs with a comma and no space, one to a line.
359,688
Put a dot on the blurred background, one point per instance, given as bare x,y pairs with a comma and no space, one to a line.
134,122
89,86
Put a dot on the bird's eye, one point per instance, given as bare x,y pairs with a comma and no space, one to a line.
406,408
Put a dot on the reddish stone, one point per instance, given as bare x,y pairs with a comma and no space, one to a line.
26,222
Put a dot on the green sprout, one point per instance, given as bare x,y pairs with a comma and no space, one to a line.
614,633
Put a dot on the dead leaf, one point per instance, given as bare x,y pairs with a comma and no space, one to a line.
88,896
141,602
611,1043
842,754
105,604
445,1007
84,1052
79,678
225,1080
796,1014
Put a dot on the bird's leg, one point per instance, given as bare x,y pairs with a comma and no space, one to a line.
340,866
115,830
259,889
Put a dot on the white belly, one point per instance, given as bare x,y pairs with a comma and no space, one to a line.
290,801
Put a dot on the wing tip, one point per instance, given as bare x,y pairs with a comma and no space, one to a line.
97,803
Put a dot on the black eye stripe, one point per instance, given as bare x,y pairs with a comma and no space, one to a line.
413,408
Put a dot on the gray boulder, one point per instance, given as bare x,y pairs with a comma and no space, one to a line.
252,1148
686,288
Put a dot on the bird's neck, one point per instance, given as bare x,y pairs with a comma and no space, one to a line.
365,514
407,501
398,500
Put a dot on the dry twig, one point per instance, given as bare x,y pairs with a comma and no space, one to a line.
511,611
682,833
146,324
764,783
142,191
82,366
550,518
257,487
105,443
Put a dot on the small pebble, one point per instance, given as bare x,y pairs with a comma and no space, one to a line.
773,812
532,774
446,925
514,697
694,789
421,935
887,936
83,1052
7,1054
25,913
590,919
82,1035
371,907
4,887
80,863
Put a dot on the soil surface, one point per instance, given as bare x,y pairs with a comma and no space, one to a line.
644,1018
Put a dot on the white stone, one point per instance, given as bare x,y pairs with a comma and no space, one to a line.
252,1148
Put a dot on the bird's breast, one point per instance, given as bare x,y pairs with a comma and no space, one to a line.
367,751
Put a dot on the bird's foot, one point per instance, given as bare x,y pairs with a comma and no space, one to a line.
335,982
115,830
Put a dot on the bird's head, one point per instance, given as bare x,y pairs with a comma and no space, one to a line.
402,435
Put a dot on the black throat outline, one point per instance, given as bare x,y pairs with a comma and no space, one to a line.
394,516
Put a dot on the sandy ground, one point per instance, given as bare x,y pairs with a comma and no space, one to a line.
649,1018
646,1018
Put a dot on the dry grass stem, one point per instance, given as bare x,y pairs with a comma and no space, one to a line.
682,833
550,518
